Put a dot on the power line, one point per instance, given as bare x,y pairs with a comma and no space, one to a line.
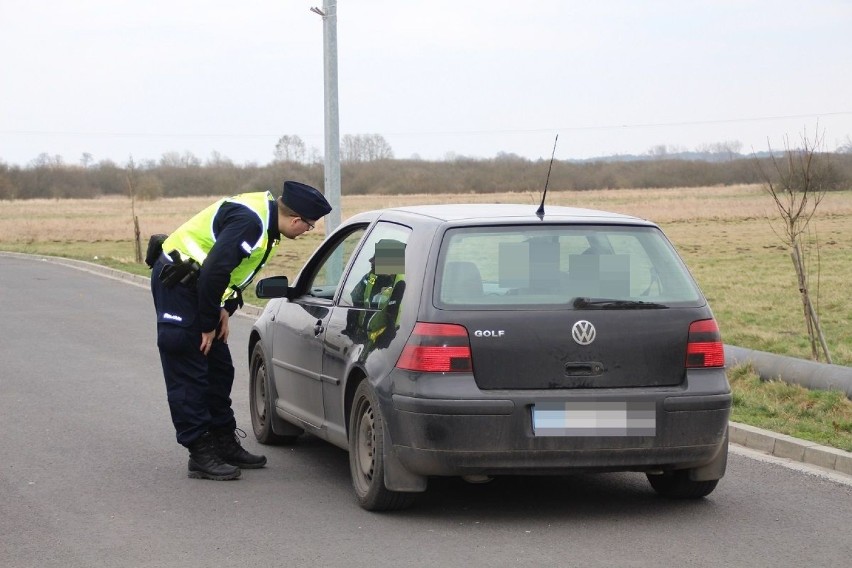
432,132
633,126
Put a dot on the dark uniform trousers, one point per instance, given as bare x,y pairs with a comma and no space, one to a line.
198,386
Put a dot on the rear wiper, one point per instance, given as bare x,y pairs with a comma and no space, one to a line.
608,304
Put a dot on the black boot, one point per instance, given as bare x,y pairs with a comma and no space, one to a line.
229,449
205,463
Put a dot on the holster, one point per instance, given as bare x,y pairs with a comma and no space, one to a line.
155,249
180,272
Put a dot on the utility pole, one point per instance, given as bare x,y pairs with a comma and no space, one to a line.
332,112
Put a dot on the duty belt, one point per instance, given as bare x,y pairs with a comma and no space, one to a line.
179,271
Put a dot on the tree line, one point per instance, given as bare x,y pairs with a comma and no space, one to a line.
177,175
353,148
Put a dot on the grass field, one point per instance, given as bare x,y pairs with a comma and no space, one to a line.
726,235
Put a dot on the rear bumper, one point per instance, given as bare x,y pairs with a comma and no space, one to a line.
544,462
493,434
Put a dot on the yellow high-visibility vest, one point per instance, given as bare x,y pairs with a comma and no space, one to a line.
194,239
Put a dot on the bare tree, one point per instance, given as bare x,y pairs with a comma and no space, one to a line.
315,156
364,148
658,151
7,187
178,160
289,149
729,149
130,175
217,160
378,148
797,184
350,150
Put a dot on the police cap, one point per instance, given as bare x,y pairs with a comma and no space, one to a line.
305,200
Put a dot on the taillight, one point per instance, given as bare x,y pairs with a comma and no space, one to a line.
437,348
705,348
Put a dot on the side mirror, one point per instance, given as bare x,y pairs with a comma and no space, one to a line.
272,287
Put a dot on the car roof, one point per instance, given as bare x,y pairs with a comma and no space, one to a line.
512,212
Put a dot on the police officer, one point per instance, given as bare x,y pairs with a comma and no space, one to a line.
197,282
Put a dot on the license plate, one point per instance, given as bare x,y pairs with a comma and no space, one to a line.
594,419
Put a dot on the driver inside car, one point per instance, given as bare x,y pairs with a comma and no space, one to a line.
380,289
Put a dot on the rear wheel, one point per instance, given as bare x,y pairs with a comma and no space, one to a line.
260,401
366,462
677,485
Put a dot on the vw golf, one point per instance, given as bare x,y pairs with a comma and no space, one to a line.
488,340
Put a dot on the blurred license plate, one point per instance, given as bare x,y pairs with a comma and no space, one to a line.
594,419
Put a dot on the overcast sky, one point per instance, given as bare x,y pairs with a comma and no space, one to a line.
434,77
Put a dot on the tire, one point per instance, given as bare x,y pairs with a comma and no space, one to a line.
677,485
260,403
366,461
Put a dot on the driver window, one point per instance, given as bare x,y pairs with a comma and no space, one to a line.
377,267
326,279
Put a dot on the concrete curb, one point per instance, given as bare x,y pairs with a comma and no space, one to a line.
772,443
783,446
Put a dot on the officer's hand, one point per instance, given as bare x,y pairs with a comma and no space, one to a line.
207,341
221,332
223,326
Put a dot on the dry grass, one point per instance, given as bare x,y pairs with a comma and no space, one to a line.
725,235
824,417
110,218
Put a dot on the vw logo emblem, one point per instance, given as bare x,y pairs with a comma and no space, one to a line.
583,332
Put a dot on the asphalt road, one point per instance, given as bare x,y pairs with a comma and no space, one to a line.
91,475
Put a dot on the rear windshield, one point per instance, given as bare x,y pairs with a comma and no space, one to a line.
556,265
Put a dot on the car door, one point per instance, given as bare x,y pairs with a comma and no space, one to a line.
299,331
364,319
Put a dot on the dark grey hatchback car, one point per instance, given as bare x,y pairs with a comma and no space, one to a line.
487,340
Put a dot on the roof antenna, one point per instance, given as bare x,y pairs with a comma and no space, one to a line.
540,212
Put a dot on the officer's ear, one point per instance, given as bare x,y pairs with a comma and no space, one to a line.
285,214
288,222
